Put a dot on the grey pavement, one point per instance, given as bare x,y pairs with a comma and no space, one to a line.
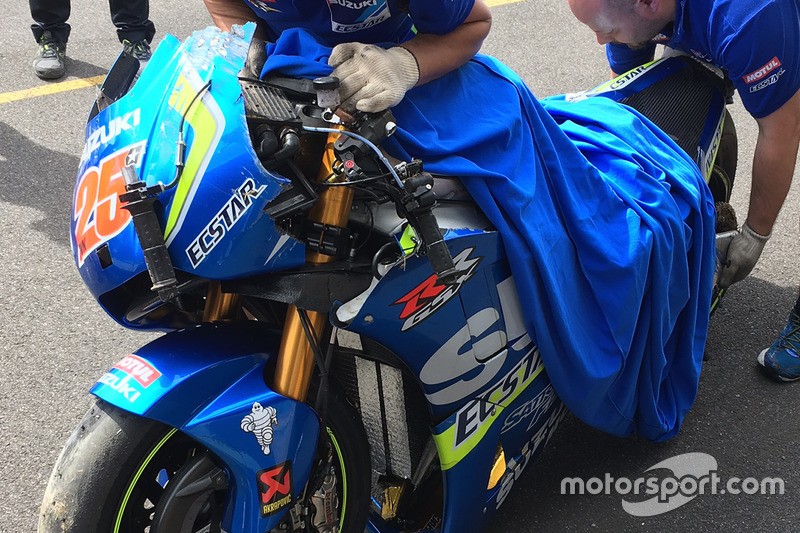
55,341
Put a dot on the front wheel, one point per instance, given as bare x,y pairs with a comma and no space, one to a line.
113,472
121,473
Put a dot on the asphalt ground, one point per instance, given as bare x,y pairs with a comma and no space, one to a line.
55,341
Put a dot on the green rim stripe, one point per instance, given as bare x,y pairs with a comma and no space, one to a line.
138,475
344,475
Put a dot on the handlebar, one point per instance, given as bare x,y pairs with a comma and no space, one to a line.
418,203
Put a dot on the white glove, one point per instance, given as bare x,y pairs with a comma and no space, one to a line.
743,253
372,78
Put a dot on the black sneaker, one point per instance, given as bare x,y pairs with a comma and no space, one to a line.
138,49
49,61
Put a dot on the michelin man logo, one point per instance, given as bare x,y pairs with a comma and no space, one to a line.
259,422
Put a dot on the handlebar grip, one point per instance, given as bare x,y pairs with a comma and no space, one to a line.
156,255
438,252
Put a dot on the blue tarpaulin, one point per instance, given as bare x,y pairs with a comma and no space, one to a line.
608,225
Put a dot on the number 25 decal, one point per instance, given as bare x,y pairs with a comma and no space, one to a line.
97,213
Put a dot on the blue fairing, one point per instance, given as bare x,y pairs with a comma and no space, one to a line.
476,364
217,231
208,381
608,226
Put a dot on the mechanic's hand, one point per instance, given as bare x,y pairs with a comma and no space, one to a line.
373,78
743,253
256,57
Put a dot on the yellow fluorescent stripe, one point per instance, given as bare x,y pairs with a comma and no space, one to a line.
51,89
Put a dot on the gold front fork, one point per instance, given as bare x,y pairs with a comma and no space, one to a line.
220,306
295,357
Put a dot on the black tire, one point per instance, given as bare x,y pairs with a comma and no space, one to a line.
111,474
724,171
346,439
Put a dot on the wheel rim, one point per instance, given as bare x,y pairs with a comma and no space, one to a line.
170,454
147,485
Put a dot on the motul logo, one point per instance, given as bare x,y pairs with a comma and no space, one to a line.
763,71
139,369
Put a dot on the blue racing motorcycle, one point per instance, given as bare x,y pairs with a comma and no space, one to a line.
344,346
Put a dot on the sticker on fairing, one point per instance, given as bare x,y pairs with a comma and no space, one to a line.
130,377
275,488
97,212
139,369
259,422
107,132
472,421
221,224
429,296
207,122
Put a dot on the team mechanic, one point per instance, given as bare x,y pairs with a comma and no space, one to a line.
448,34
755,42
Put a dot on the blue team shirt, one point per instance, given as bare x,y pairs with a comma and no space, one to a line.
756,42
366,21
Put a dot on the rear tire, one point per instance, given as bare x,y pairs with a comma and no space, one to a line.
724,171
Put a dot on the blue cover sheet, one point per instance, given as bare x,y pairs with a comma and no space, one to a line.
608,225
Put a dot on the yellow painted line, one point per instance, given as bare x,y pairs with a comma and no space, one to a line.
493,3
54,88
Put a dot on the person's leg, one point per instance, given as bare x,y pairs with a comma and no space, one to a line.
52,16
135,30
131,17
51,31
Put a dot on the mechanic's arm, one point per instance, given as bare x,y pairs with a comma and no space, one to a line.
773,164
439,54
373,78
226,13
773,167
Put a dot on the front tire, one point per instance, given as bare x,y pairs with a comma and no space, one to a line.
338,490
112,473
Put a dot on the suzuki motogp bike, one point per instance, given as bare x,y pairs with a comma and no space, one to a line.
344,348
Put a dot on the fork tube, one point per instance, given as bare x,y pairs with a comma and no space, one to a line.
295,357
219,305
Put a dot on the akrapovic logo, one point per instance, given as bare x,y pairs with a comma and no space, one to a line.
759,74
